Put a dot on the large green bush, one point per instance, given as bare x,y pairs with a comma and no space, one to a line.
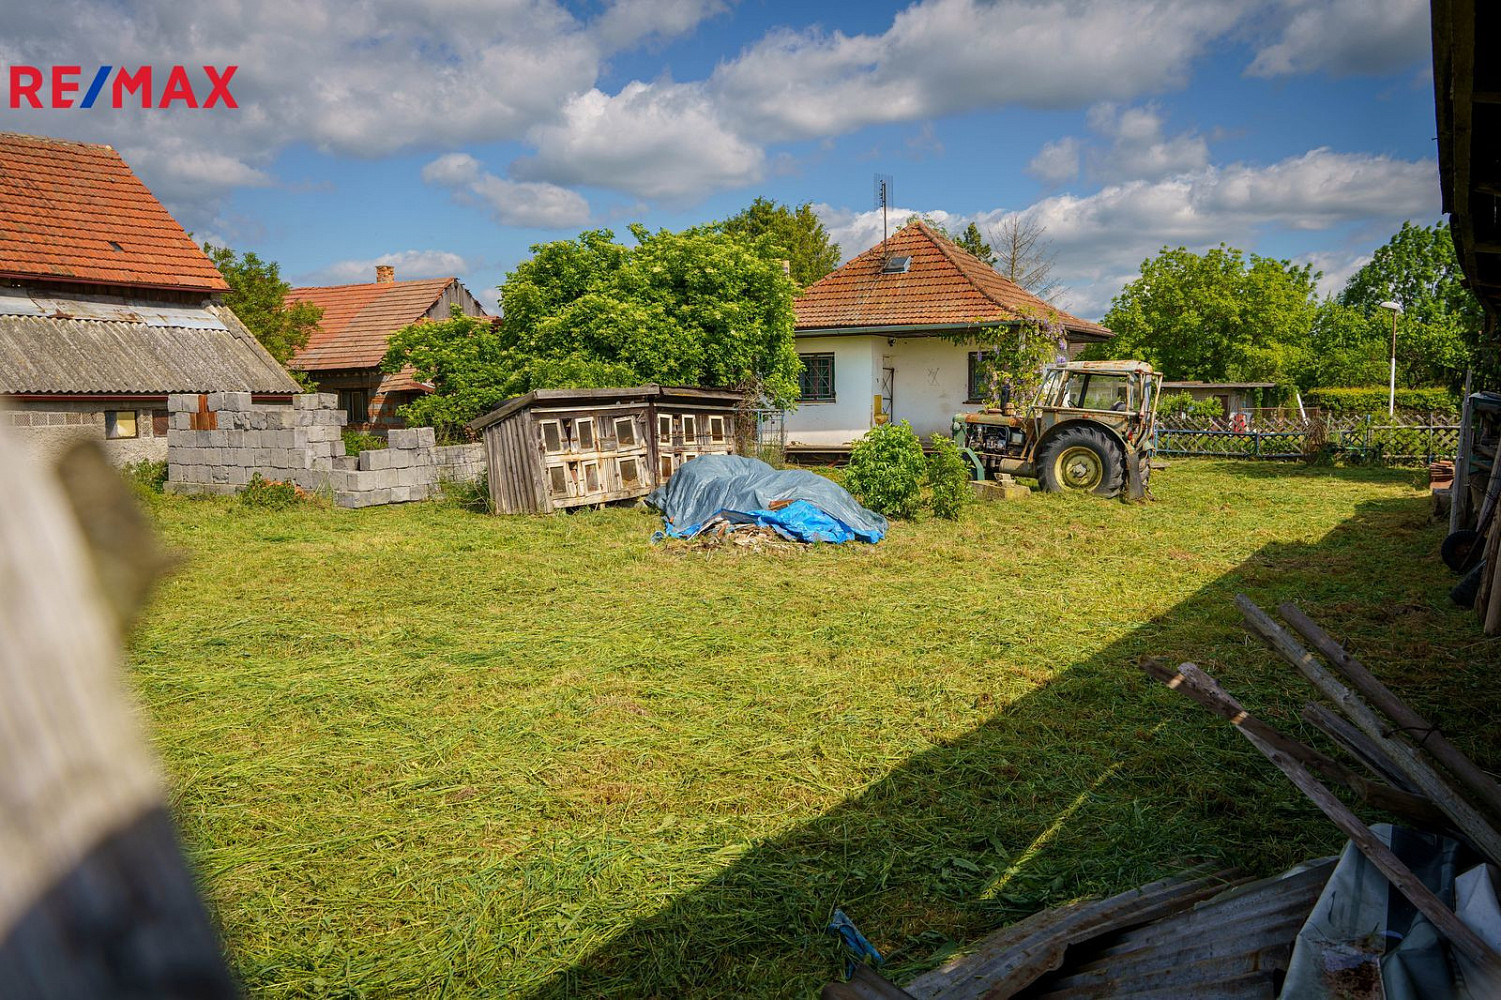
1182,404
948,479
1373,399
886,470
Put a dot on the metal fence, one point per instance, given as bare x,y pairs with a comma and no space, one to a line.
1406,439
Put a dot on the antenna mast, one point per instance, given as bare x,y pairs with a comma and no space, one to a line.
883,202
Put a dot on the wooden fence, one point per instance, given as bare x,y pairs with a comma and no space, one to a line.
1406,439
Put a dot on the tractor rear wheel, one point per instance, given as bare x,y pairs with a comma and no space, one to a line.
1082,459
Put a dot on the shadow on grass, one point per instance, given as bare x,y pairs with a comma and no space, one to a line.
1282,469
1092,783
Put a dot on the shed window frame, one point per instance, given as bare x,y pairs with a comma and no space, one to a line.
664,466
629,438
664,428
592,481
815,383
121,425
581,427
557,480
634,482
554,445
716,429
690,428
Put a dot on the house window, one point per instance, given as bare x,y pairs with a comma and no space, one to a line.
816,383
977,379
119,424
716,430
557,480
630,473
552,436
664,428
585,431
625,432
690,428
591,477
356,405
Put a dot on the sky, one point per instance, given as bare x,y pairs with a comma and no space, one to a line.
449,136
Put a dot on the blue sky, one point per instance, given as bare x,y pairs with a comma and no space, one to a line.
446,136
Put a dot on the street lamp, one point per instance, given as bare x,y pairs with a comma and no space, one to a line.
1391,396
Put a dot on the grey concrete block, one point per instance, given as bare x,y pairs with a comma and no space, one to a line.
182,402
375,459
234,401
238,476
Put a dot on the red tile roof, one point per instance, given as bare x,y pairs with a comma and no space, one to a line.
944,286
73,211
358,320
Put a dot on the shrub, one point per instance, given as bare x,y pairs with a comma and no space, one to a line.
886,470
1182,404
948,479
467,494
1373,399
269,494
358,441
146,477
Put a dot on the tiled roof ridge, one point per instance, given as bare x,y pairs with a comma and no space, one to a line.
366,284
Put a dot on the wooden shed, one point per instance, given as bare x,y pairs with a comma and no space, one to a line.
557,448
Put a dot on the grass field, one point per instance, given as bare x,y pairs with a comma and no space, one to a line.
420,752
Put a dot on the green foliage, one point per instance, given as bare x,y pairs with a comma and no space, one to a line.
269,494
146,477
1214,317
258,297
1012,358
1346,347
1182,404
796,234
1374,400
1439,328
701,307
948,478
886,470
358,441
467,494
973,242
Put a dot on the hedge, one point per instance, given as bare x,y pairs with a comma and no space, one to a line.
1374,399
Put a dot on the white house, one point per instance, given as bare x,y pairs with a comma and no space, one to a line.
870,336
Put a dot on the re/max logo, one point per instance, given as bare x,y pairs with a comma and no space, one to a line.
29,84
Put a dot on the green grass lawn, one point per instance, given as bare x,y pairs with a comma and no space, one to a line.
419,751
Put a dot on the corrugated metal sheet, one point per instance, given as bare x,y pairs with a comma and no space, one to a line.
50,354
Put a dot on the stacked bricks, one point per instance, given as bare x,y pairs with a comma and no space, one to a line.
217,442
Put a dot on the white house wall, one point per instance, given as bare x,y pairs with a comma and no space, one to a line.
932,384
856,381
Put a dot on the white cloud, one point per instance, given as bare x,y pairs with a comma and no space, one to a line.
1343,37
409,264
1057,161
946,56
1336,266
1139,150
510,203
662,141
627,22
1099,240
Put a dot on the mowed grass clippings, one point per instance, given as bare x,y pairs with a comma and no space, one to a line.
415,751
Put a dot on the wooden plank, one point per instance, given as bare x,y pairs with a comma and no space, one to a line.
1464,816
865,984
1357,744
1410,807
1482,785
1464,940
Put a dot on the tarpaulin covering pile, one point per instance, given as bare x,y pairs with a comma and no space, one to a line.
796,503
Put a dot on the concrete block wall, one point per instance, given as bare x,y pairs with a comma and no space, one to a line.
303,444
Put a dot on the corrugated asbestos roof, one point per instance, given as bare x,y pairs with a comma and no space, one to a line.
73,211
943,286
358,320
51,345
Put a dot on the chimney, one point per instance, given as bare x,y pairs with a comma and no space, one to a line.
385,274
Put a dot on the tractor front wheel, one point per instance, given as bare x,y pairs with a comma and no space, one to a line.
1082,459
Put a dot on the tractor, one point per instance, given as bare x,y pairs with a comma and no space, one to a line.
1091,428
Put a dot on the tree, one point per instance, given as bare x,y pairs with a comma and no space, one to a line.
972,241
797,233
1024,256
258,297
1214,317
1440,325
700,307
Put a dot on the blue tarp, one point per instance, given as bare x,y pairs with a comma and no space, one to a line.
796,503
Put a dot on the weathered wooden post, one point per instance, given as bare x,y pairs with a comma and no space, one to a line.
95,897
